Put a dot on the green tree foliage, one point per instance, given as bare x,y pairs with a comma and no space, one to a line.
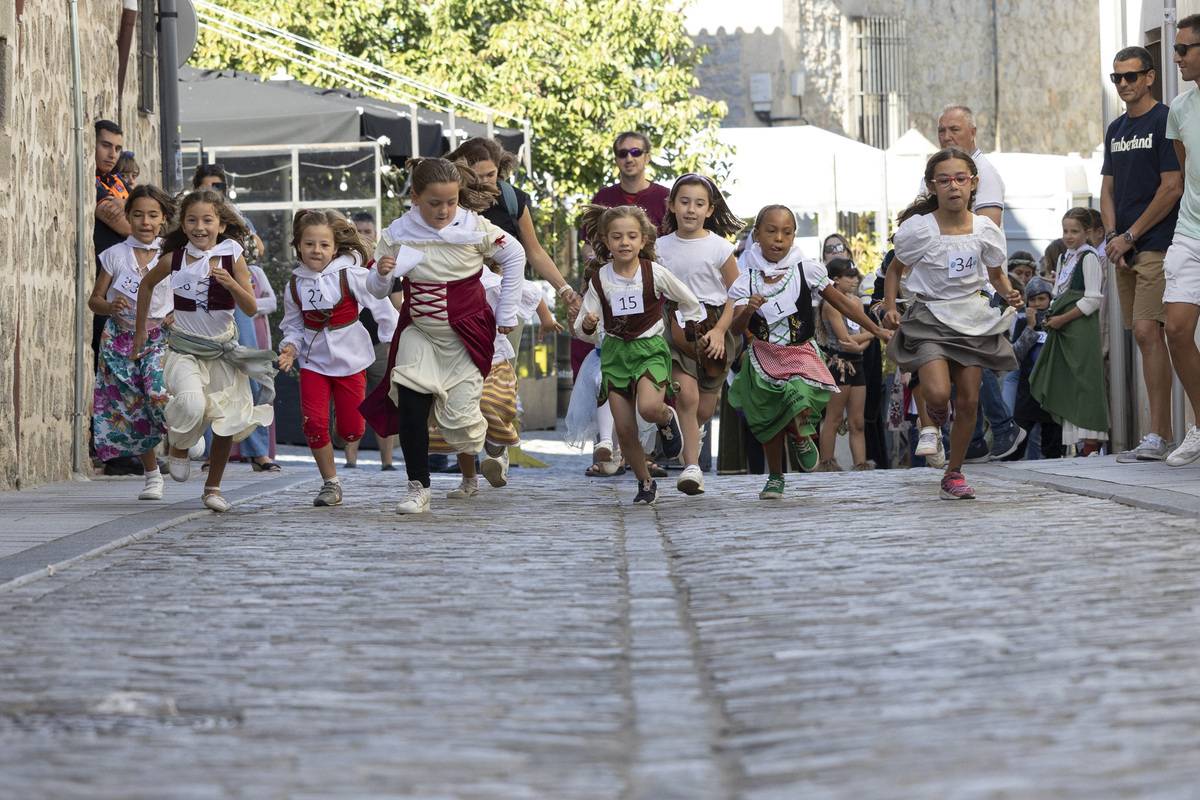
579,70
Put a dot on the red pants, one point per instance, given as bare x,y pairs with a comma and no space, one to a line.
347,392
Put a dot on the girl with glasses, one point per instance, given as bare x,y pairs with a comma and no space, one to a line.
950,332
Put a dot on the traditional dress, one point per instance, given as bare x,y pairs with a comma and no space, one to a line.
206,371
129,398
631,309
498,402
1068,378
950,317
333,349
445,338
783,383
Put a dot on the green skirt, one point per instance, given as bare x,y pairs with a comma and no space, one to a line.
769,409
1068,377
623,364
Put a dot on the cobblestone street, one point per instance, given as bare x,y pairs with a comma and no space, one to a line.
861,639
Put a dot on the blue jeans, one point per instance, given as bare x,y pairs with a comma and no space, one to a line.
991,407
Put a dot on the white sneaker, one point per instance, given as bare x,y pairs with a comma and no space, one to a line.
180,468
196,451
603,451
938,459
416,501
691,480
614,466
495,468
1151,448
466,490
1188,451
927,443
154,486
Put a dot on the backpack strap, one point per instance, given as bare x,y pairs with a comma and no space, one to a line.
509,195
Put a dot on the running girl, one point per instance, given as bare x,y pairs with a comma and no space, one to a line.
127,415
950,332
322,333
635,362
845,343
445,339
783,383
1068,378
206,371
705,264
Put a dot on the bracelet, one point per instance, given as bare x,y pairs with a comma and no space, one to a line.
562,290
1108,237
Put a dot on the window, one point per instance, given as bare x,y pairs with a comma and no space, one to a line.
146,57
880,96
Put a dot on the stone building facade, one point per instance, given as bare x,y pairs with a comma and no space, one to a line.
870,69
37,217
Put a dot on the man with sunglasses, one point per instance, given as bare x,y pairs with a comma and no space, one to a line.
1182,263
1139,203
632,153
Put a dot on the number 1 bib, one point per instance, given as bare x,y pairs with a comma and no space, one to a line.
775,309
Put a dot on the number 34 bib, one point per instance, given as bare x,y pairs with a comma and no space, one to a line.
962,263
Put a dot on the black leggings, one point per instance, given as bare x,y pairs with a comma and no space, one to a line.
414,432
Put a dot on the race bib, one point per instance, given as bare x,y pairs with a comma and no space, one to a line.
962,264
312,298
1041,337
626,302
775,309
127,284
184,284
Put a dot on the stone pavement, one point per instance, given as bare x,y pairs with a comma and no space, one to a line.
860,639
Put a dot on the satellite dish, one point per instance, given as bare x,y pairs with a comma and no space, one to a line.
187,29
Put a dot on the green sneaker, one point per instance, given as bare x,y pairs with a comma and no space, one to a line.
805,453
773,490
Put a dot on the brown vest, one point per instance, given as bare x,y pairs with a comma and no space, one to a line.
631,326
219,298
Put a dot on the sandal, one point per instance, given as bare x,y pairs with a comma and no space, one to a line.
598,471
264,466
656,470
214,501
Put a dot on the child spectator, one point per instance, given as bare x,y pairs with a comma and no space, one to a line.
1027,345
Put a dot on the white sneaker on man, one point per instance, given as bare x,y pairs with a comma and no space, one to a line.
1151,448
416,501
1188,451
495,468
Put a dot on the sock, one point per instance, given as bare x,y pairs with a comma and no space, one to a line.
334,479
938,416
152,472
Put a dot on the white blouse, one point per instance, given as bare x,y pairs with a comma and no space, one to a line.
329,351
664,284
697,262
531,297
198,272
948,267
120,262
1093,278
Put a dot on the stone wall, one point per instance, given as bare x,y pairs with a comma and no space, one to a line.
37,220
1049,59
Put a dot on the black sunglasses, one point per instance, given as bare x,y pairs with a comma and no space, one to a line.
223,188
636,152
1128,77
210,169
835,248
1181,50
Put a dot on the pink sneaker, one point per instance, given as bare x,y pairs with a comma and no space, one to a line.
954,487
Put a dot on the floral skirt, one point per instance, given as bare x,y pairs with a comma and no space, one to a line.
129,398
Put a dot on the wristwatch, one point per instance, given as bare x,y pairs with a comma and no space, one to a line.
1129,237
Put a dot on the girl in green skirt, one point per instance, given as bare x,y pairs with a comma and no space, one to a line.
635,361
783,384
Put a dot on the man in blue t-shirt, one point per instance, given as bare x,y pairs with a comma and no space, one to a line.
1139,203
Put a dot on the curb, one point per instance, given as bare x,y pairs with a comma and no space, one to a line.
51,558
1164,500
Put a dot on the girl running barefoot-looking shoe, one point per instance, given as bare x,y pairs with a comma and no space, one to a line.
783,383
1068,378
207,373
445,339
696,250
127,417
950,332
322,333
845,343
625,288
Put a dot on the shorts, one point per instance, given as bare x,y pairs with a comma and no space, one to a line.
847,370
1140,288
1181,266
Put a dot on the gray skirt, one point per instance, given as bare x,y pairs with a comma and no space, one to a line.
922,338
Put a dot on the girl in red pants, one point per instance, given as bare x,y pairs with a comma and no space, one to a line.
321,332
